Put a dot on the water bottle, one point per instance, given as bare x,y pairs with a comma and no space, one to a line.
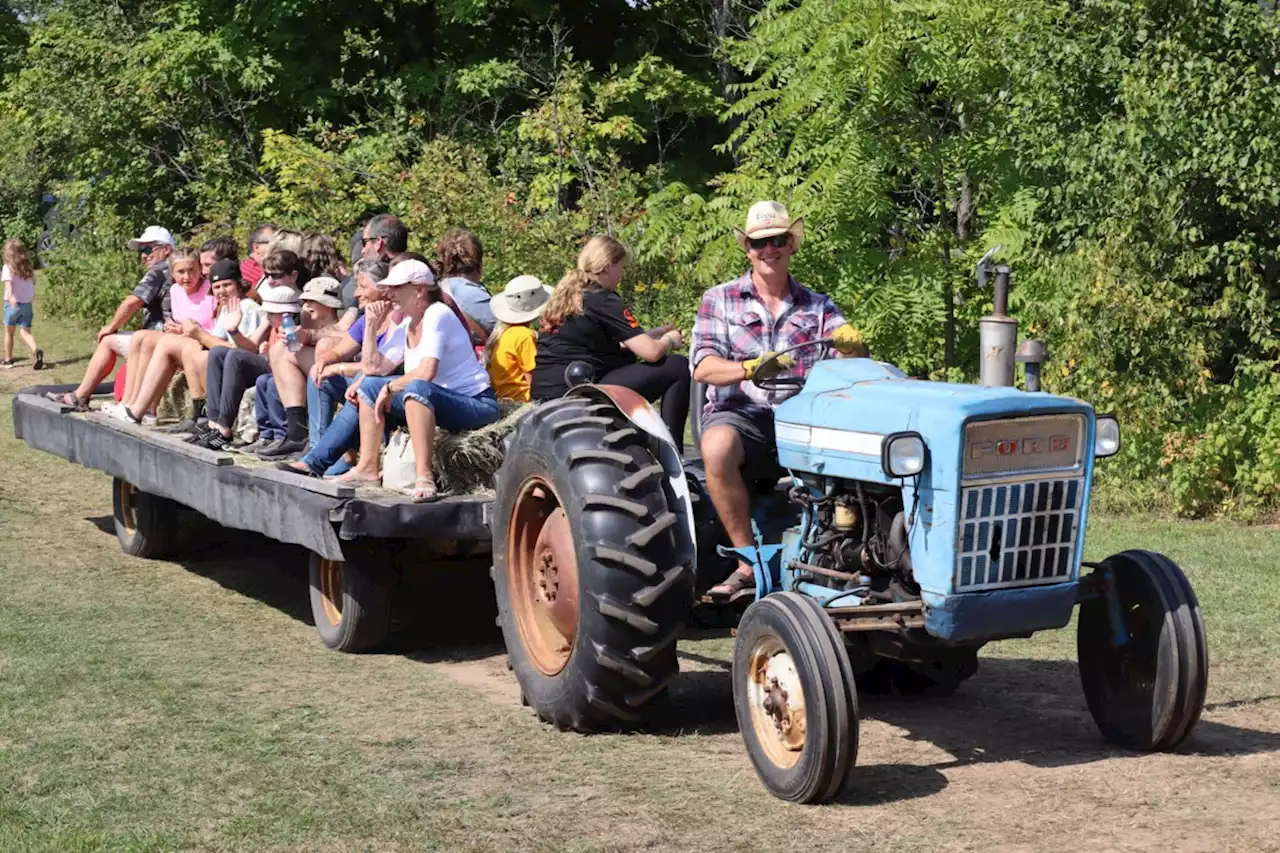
291,333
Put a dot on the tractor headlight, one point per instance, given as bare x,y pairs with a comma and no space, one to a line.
902,454
1106,437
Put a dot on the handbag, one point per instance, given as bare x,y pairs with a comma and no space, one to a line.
398,465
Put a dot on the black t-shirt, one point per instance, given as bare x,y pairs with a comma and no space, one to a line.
593,336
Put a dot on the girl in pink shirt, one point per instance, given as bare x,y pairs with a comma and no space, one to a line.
155,356
19,290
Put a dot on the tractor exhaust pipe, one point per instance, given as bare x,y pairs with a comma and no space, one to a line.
998,332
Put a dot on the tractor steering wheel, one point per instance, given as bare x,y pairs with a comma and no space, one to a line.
784,383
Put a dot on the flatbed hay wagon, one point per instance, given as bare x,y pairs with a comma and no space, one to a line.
350,533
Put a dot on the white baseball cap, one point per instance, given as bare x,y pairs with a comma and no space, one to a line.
408,272
152,234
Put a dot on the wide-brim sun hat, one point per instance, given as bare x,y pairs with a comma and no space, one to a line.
523,299
152,234
409,272
769,219
325,290
280,299
273,307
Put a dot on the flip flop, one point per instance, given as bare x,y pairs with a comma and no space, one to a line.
351,478
734,588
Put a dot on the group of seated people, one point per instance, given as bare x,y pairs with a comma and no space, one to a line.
338,355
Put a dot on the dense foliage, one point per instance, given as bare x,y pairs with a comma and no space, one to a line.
1124,153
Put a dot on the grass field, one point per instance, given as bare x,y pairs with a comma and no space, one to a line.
155,706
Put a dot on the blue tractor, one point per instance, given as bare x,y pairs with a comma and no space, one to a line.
918,521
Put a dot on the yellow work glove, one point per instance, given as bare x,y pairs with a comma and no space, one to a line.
772,369
848,340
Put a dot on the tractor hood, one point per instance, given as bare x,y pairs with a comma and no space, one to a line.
836,425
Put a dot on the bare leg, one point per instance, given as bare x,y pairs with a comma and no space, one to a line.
8,342
422,432
367,469
141,346
194,364
165,361
722,454
104,358
28,339
290,370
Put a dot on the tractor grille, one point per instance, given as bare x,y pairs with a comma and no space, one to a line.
1018,534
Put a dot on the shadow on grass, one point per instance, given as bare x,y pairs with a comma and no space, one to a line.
1024,710
444,612
1028,711
243,562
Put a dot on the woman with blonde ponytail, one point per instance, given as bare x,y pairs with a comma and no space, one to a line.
587,321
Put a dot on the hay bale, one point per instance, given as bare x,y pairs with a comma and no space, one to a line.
465,463
176,403
246,426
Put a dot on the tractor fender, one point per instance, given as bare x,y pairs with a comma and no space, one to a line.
639,412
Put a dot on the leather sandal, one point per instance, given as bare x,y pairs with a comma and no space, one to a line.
733,588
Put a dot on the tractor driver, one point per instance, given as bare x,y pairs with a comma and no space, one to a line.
740,325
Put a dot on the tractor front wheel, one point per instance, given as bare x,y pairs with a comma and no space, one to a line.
1144,678
795,699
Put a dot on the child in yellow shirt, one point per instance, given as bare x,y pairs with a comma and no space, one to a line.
509,354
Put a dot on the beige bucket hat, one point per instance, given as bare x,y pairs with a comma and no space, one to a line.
523,299
769,219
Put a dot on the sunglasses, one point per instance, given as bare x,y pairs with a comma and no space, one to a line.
777,241
364,241
146,250
276,274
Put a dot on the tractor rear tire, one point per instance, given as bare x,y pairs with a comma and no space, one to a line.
147,525
787,648
351,599
1148,693
591,590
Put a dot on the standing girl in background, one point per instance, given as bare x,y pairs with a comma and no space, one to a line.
510,354
19,291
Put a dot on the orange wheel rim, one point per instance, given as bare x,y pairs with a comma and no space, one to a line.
331,590
542,576
775,697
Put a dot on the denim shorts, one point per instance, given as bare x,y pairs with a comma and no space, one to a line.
20,316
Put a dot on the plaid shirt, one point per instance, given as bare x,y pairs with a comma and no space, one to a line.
734,324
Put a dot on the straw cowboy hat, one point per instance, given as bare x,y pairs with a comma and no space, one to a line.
523,299
769,219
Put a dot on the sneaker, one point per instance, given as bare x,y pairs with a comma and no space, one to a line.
39,365
149,420
250,446
6,363
213,440
197,437
283,449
